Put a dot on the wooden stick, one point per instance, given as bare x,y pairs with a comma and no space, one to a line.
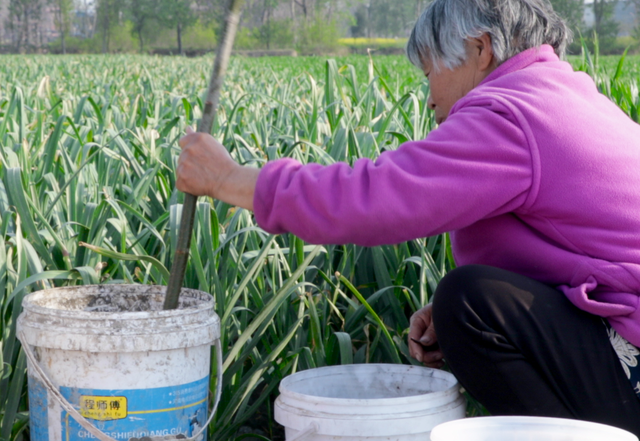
176,278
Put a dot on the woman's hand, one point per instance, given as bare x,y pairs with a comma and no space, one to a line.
205,168
423,340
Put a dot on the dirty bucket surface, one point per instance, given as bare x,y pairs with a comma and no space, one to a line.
368,402
130,368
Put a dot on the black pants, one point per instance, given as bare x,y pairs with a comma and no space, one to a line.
520,347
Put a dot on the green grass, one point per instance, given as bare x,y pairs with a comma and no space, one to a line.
88,150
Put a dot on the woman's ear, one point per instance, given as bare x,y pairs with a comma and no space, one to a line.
483,52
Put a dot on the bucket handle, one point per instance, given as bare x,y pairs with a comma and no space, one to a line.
311,429
55,392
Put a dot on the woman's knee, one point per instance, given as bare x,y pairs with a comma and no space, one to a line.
475,298
458,290
483,298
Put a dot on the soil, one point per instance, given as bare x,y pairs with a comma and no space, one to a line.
112,299
262,423
110,303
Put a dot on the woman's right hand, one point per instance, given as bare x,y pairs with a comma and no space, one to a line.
423,340
205,168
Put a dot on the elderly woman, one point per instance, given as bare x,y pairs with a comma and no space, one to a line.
537,177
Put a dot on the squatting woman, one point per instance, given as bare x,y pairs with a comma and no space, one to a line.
537,177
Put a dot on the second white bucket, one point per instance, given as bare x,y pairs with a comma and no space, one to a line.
525,428
367,402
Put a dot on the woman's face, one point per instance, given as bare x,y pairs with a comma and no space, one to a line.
447,86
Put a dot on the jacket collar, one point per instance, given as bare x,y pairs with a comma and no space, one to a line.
522,60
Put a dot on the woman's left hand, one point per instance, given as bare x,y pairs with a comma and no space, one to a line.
423,341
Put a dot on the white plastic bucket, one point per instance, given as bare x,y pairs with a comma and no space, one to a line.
520,428
371,402
107,357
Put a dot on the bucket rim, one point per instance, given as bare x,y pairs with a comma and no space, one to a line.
510,421
206,303
453,389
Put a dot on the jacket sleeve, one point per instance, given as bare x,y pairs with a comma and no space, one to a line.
475,165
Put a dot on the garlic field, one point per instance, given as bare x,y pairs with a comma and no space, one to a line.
88,151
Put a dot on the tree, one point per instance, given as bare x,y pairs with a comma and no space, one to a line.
140,12
108,15
23,19
212,12
178,15
85,18
266,29
635,4
360,22
420,6
605,25
387,18
62,18
572,11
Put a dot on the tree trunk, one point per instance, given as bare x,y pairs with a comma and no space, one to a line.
597,13
140,39
93,23
180,50
26,29
294,25
18,33
62,41
61,25
369,20
105,33
104,41
268,28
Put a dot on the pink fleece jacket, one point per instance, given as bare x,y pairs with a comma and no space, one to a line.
533,171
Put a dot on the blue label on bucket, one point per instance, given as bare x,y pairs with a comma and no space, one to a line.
38,415
136,413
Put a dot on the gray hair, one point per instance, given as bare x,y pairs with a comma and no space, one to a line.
513,25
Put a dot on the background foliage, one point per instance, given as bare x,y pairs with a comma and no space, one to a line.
88,150
308,26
